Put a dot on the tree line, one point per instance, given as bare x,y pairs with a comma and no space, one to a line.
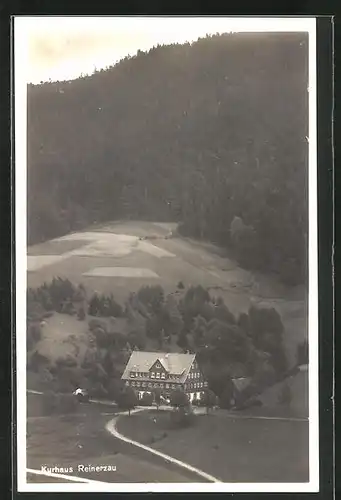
205,134
226,346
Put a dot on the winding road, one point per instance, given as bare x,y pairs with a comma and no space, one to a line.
111,427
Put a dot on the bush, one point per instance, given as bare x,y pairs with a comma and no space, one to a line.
181,418
128,399
147,399
179,399
180,285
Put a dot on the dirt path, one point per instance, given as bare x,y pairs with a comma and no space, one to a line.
111,427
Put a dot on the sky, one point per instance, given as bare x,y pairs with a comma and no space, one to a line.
63,48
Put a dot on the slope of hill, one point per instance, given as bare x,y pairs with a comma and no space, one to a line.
291,393
197,133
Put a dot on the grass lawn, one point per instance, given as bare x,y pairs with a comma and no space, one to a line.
81,439
55,247
195,263
230,448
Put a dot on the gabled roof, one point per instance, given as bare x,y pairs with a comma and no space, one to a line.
174,363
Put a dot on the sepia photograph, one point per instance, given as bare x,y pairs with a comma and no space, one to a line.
166,254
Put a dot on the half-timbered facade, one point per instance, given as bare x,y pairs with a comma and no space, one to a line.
148,371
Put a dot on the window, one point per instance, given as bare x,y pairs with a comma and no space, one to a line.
138,384
152,375
161,386
127,382
156,385
158,365
158,375
144,384
150,384
167,386
132,374
163,375
133,384
173,386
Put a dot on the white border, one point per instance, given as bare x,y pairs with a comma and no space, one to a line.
251,24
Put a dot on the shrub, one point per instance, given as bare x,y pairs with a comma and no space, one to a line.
128,399
147,399
179,399
180,285
181,418
209,399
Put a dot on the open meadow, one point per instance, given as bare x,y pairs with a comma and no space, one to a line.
235,448
80,438
113,259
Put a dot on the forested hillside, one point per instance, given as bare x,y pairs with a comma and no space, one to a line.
210,134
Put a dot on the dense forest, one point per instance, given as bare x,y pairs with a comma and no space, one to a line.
211,134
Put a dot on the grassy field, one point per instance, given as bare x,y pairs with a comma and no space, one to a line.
63,335
192,262
233,449
55,247
81,439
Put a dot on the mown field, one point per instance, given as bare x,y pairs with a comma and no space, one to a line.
231,448
81,439
189,261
